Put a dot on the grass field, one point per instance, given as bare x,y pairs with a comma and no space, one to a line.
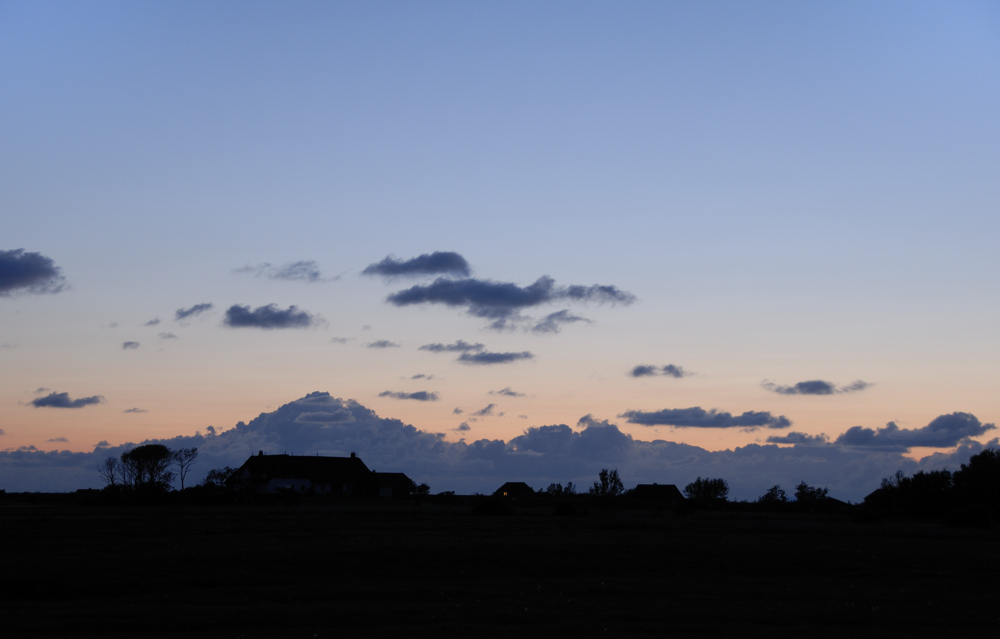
331,570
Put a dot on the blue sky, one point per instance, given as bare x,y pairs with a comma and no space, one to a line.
786,192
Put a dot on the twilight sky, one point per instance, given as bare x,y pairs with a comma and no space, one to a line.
751,240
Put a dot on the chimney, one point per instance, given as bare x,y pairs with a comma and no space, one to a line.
353,455
260,453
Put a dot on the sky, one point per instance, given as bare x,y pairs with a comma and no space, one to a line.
512,241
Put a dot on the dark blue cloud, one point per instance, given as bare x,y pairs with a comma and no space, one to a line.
267,317
62,400
799,439
420,396
553,322
815,387
437,263
382,343
507,392
197,309
487,357
697,417
457,347
944,431
302,271
135,410
152,322
167,336
485,411
22,272
670,370
502,302
130,345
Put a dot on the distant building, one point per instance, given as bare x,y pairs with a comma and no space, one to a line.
663,494
344,476
514,490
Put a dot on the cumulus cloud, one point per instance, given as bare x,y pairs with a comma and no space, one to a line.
815,387
267,317
670,370
487,358
63,400
197,309
130,345
437,263
485,411
502,302
319,424
22,272
382,343
302,271
420,396
507,392
460,346
697,417
135,410
800,439
553,322
944,431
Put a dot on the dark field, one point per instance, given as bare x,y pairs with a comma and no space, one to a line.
314,570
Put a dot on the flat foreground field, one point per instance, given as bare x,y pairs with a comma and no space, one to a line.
314,570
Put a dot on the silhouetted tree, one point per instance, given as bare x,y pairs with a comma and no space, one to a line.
145,467
184,457
774,495
806,494
558,490
610,485
422,489
707,489
216,478
979,480
109,472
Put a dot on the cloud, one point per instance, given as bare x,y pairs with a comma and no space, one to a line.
341,340
485,411
267,317
302,271
944,431
152,322
457,411
197,309
508,392
62,400
420,396
421,376
552,322
135,410
167,336
464,427
382,343
130,345
800,439
319,424
22,272
55,439
670,370
488,358
437,263
697,417
457,347
502,302
815,387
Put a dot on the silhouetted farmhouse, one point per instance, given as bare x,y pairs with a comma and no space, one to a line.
663,494
344,476
514,490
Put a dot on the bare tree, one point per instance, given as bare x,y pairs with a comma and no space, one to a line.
108,470
184,457
610,485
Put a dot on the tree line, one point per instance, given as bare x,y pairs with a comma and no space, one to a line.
147,468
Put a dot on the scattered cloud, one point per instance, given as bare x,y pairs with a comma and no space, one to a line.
457,411
135,410
502,302
55,440
167,336
341,340
267,317
152,322
421,376
485,411
62,400
697,417
799,439
464,427
382,343
437,263
508,392
552,322
197,309
130,345
488,358
670,370
457,347
22,272
302,271
420,396
815,387
944,431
